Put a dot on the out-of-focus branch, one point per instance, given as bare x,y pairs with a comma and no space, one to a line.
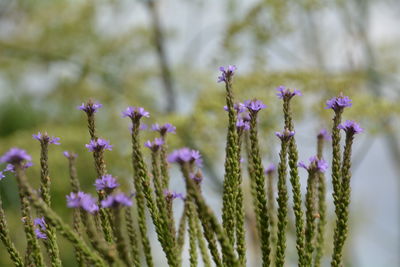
159,43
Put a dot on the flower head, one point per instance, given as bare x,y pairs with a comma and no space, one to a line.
324,134
117,200
270,169
350,127
163,129
46,139
15,156
254,105
242,125
239,107
285,135
185,155
82,200
70,155
226,73
106,182
135,113
40,228
10,168
98,145
338,103
90,107
170,195
315,165
155,145
286,93
196,176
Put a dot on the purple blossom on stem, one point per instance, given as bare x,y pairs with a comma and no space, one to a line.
10,168
285,135
270,169
242,125
226,73
170,195
90,107
135,113
98,145
284,92
40,228
316,164
155,145
117,200
47,139
15,156
69,155
106,182
239,107
254,105
338,103
82,200
197,177
185,155
324,134
163,129
350,127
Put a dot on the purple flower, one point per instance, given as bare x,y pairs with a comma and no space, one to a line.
117,200
40,228
254,105
316,164
242,125
239,107
15,156
285,93
106,182
324,134
90,107
338,103
163,129
270,169
185,155
70,155
135,113
82,200
170,195
98,145
285,135
350,127
226,73
155,145
197,177
46,139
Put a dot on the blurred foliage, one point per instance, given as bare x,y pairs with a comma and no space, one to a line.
56,54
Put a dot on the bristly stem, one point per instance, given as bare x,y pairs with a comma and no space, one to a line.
341,229
310,216
192,234
164,163
122,245
53,219
321,187
50,242
133,240
295,181
202,244
180,238
229,200
282,206
261,208
5,238
271,210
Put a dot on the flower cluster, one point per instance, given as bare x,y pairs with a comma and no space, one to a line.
351,127
285,93
254,105
155,145
226,73
338,103
171,195
315,165
163,129
135,113
243,125
116,200
82,200
98,145
239,107
106,182
285,135
185,155
46,139
70,155
15,156
40,228
270,169
90,107
324,134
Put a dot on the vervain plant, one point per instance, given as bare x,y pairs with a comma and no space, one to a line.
106,232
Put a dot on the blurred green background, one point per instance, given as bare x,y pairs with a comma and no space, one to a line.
164,55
